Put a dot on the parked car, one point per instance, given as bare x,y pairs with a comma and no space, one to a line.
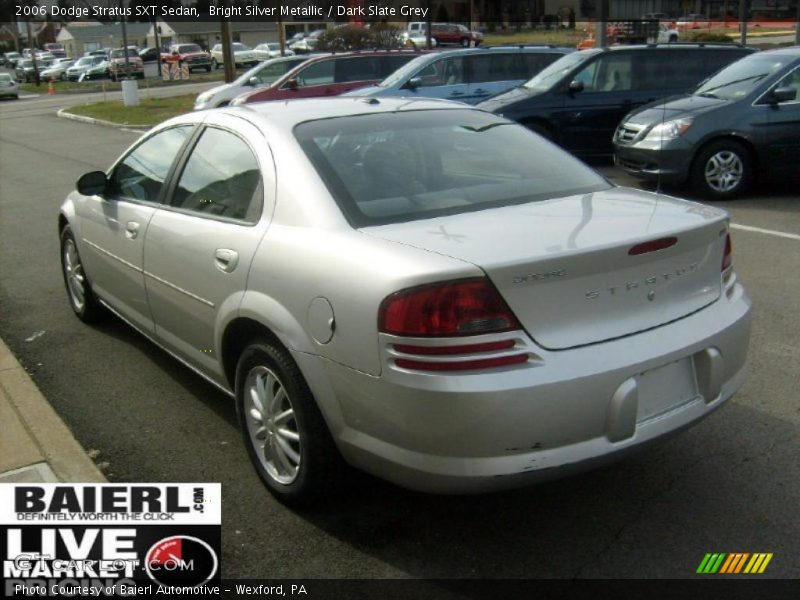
25,71
242,56
8,87
259,76
692,21
452,33
331,75
119,68
191,56
579,100
420,289
99,70
470,75
270,50
57,50
57,70
83,64
149,54
415,35
741,124
11,59
307,43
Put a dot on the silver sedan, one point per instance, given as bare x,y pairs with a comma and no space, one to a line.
416,288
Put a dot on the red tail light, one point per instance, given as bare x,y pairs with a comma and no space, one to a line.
727,256
456,308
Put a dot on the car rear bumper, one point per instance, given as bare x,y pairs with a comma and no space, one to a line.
569,411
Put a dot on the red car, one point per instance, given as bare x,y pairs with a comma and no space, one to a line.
451,33
118,68
331,75
189,55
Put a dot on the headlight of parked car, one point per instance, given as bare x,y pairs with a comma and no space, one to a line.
668,130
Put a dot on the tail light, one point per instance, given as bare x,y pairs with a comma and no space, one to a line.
446,310
466,307
727,256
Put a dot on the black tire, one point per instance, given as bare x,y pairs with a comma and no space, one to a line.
90,310
208,68
320,469
722,170
673,38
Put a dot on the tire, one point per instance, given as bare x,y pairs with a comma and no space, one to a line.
63,77
298,460
208,68
79,291
673,38
214,64
721,170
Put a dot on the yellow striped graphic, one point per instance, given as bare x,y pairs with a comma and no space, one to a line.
758,563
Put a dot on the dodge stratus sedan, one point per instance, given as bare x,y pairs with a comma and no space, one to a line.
417,288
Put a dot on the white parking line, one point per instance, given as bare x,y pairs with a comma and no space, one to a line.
783,234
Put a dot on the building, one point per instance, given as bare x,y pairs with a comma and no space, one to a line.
208,33
79,38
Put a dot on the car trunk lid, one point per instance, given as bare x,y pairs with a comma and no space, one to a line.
583,269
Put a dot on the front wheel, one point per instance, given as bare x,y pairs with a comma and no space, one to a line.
722,170
79,292
287,439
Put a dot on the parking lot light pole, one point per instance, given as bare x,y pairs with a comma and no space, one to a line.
797,26
601,35
32,45
744,5
130,93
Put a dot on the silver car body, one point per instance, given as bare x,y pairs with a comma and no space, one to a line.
620,350
8,87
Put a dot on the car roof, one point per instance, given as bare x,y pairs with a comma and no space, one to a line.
673,45
287,114
790,51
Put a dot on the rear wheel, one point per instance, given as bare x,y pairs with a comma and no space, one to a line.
722,170
286,436
79,292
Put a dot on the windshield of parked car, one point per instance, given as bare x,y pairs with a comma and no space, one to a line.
405,72
239,47
85,61
548,77
121,53
26,63
5,77
740,78
186,48
409,165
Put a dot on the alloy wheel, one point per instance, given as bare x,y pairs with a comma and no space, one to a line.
724,171
76,279
271,425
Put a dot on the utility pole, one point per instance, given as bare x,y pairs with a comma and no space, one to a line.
744,5
227,55
124,39
156,30
601,35
32,46
281,33
797,26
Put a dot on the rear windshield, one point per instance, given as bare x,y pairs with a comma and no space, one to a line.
409,165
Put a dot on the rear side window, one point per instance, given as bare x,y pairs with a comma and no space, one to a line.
493,67
446,71
360,68
221,178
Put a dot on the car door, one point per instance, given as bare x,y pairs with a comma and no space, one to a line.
113,227
590,116
443,78
199,247
782,137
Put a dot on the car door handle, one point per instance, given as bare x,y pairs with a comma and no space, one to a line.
132,230
226,260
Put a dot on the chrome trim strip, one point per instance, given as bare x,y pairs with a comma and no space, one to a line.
114,256
179,289
172,354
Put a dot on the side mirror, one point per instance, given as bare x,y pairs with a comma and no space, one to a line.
292,84
93,183
412,83
783,94
253,81
575,86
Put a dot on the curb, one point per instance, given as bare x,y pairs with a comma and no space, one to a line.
81,119
34,438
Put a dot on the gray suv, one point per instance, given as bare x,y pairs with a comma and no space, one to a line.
742,121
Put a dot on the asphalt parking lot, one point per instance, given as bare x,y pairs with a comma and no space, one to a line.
730,484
